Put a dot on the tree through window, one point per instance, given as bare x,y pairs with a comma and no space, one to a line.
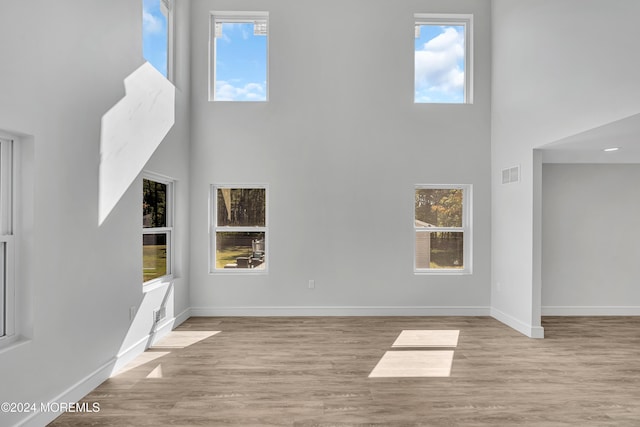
240,228
156,228
442,229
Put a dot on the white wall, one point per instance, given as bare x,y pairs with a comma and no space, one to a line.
340,144
590,239
559,68
63,66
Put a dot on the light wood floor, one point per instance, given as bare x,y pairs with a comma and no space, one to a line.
314,372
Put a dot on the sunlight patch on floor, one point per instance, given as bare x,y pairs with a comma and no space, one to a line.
156,373
427,338
141,359
182,339
396,364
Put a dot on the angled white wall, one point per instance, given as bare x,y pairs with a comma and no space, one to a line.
341,145
63,67
559,68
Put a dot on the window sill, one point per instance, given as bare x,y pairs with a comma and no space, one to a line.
239,272
239,101
11,343
442,272
154,284
442,103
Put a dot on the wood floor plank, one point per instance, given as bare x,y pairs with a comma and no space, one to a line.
313,371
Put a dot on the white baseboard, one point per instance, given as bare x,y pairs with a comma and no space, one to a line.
93,380
161,330
181,318
167,326
127,355
338,311
526,329
73,394
591,311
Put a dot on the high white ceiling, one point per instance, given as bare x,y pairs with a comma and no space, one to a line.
588,146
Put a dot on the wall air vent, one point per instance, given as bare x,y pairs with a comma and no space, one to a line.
511,174
159,314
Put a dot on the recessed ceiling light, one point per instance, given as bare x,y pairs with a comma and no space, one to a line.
611,149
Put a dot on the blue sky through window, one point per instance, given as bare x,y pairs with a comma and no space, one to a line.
440,64
240,63
155,35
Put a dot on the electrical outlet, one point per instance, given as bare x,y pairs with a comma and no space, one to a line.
312,284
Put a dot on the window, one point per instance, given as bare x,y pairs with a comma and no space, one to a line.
442,226
239,60
7,289
239,228
157,21
443,58
157,199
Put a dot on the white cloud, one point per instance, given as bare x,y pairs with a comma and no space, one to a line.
225,91
150,24
437,69
229,27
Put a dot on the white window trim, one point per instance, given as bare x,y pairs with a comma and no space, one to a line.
168,7
466,229
168,230
233,16
213,229
465,20
7,268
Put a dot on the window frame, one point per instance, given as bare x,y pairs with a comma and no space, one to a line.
7,240
214,229
167,9
465,229
168,230
451,19
234,17
170,6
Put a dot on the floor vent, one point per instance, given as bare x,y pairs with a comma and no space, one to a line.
510,175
